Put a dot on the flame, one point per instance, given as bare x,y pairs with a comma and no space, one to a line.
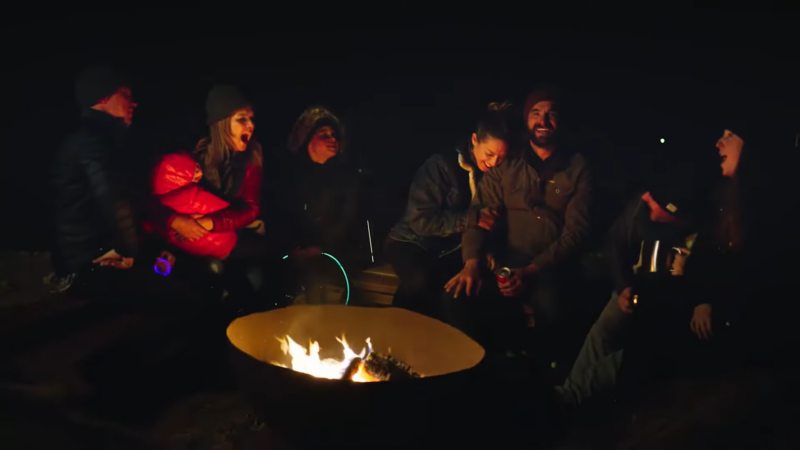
308,360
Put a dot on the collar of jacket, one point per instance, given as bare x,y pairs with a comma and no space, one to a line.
466,163
558,160
105,120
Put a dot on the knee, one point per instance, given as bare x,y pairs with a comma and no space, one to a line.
608,324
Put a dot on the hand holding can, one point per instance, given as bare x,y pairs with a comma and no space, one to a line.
503,274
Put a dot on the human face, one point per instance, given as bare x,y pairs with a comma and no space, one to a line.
730,150
242,128
120,104
657,213
324,144
489,152
543,124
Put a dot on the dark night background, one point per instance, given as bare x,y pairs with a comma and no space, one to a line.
404,92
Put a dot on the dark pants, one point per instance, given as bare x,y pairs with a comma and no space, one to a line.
254,271
499,323
422,276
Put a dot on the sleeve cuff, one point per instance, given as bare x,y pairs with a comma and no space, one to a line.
472,217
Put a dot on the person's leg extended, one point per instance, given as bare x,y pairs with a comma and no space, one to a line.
597,367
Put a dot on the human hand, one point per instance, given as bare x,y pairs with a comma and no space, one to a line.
258,227
114,259
701,322
624,301
487,218
162,265
206,223
466,280
517,282
187,227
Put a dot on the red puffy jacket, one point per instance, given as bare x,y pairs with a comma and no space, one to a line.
173,183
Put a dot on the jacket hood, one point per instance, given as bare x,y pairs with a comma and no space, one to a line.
310,121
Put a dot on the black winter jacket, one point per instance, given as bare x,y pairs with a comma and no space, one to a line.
92,210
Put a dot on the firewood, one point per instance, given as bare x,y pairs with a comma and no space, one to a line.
352,369
385,367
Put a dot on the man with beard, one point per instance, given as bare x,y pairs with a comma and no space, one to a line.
543,196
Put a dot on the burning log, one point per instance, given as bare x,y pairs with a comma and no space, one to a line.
378,367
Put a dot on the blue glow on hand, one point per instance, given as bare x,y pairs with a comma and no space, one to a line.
158,270
346,280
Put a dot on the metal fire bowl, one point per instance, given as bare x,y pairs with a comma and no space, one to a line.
332,413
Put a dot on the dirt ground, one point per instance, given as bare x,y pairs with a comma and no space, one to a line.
80,375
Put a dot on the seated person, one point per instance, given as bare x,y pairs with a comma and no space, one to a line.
231,164
423,247
176,185
318,192
95,223
741,257
665,213
543,199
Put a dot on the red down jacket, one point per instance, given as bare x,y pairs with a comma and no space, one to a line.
173,183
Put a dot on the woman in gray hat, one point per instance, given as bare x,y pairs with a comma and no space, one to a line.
230,160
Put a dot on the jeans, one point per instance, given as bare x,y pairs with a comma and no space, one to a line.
600,359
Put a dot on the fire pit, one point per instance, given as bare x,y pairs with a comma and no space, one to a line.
395,376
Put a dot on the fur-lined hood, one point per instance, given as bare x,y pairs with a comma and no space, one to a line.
310,121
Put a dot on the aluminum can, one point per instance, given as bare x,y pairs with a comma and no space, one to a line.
502,274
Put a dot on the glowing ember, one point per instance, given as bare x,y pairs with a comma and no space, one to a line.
308,360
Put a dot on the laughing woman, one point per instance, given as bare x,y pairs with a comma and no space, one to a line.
422,246
230,160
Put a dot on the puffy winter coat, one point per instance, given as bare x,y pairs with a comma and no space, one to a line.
91,204
173,183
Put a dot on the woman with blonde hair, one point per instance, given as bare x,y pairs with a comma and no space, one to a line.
229,165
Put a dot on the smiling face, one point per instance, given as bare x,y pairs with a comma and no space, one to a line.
489,152
543,124
324,144
241,127
730,150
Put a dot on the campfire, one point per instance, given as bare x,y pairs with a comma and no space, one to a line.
364,367
298,379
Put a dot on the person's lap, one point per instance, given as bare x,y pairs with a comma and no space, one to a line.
422,276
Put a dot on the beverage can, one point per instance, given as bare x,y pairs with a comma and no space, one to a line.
502,274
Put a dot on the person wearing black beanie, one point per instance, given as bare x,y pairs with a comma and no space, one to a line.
230,159
104,89
666,212
95,225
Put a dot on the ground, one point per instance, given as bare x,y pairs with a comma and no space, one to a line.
100,376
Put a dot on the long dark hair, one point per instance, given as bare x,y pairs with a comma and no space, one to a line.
215,151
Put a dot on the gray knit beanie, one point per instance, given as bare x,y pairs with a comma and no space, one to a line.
222,101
